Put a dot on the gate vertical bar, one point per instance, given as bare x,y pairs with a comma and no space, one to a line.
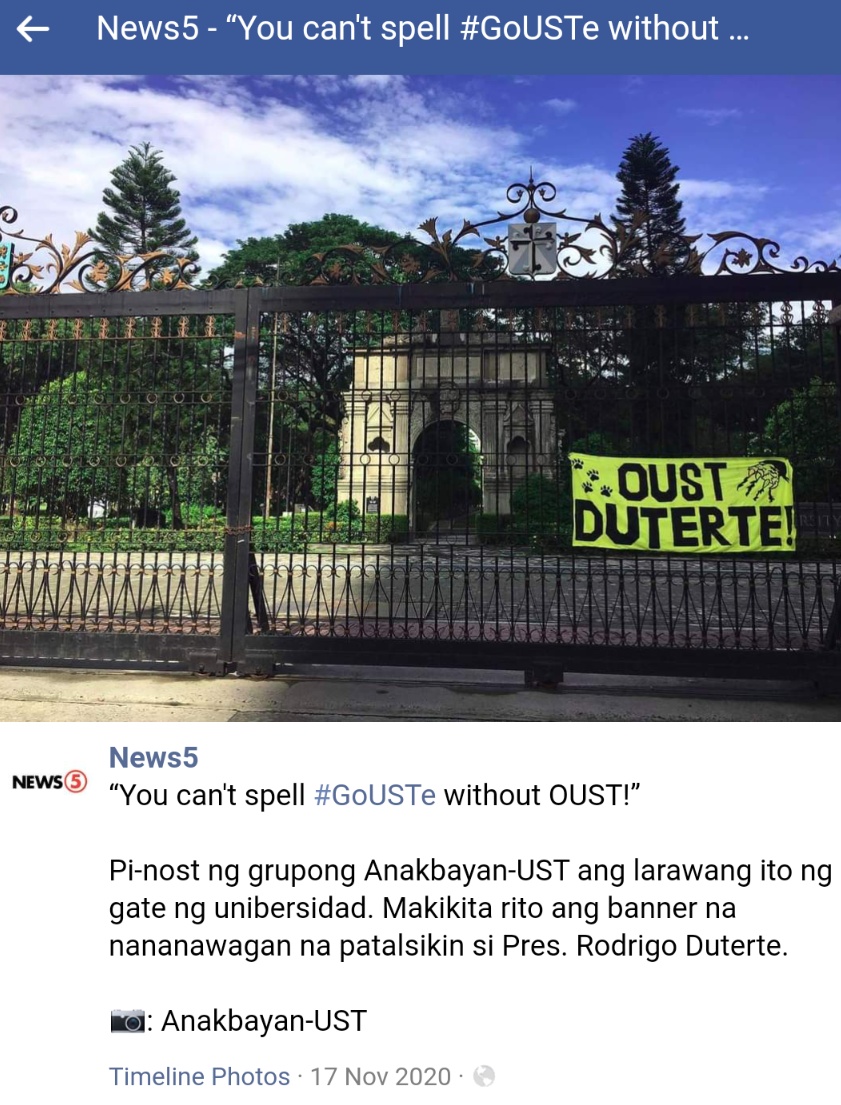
238,525
833,627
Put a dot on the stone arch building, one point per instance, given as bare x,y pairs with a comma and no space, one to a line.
493,384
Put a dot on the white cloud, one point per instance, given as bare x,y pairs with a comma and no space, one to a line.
710,206
562,107
818,241
632,85
374,80
712,116
715,189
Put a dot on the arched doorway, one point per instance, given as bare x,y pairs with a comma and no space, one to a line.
447,478
517,460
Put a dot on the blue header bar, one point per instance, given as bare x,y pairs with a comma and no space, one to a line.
445,36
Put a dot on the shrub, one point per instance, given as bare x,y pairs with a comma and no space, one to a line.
195,516
599,444
32,537
293,532
279,534
818,548
387,529
542,514
341,525
494,529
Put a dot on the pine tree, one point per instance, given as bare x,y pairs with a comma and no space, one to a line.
146,212
650,192
657,352
670,349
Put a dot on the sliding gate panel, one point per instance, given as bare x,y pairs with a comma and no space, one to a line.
411,487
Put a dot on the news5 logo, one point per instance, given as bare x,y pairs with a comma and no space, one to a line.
74,781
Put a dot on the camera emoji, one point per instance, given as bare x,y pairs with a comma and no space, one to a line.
128,1020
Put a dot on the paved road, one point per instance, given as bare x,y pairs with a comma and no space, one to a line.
345,694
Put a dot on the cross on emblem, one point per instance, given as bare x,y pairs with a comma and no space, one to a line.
532,248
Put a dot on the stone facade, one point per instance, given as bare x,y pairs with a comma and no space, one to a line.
493,384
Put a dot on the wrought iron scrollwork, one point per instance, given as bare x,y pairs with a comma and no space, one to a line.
45,267
755,255
587,248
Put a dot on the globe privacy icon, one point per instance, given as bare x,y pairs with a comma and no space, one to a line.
484,1076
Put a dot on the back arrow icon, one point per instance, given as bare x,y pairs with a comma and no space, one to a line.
25,28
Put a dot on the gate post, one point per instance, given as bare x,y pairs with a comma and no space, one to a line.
235,586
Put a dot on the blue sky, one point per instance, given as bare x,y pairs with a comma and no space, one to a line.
252,154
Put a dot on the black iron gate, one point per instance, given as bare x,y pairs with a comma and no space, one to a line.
232,480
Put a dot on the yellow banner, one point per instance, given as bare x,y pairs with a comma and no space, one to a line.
694,505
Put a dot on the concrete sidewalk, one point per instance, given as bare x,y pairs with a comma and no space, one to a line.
332,694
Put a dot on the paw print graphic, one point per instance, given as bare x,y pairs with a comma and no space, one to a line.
606,490
592,474
587,486
577,462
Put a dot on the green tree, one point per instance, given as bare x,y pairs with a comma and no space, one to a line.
806,429
293,256
145,209
143,434
27,366
19,288
639,348
662,353
325,469
63,451
648,208
287,258
798,349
